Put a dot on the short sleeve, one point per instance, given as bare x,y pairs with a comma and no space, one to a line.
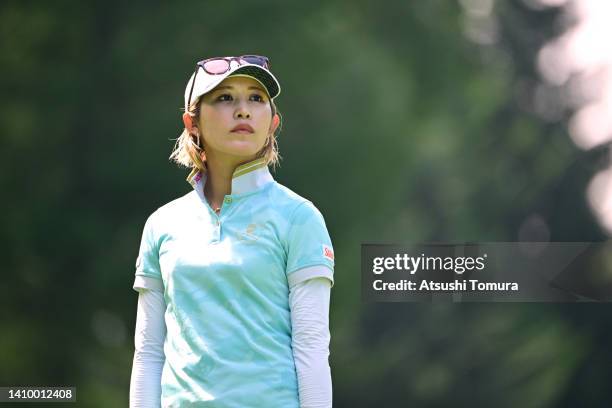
148,273
308,245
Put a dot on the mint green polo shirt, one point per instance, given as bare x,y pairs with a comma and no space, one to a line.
226,281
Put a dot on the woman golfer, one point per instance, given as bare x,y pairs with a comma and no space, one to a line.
234,277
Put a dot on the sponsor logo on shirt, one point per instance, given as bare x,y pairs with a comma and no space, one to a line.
328,252
249,233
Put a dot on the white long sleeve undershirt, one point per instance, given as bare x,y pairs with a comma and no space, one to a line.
309,304
145,384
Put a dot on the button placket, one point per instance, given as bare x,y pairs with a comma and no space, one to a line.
218,222
216,229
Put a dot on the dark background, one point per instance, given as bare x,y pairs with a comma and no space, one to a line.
407,121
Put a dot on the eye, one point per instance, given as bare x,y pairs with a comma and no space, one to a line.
225,97
258,98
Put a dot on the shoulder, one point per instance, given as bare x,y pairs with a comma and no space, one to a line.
293,209
289,202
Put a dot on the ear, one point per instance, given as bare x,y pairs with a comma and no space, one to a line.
275,123
188,121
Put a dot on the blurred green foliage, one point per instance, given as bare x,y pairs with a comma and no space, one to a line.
396,125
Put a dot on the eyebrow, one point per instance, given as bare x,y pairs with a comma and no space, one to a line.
231,87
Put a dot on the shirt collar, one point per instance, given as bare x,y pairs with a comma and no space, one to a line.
247,177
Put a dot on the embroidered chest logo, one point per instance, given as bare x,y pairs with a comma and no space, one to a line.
249,233
328,252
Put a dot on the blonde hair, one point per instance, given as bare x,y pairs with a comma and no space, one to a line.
189,150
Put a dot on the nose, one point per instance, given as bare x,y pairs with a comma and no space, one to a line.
242,112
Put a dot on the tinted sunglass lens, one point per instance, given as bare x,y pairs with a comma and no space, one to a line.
217,66
254,59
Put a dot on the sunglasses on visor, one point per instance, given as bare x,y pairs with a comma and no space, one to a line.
220,65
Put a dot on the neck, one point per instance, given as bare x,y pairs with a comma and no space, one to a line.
219,172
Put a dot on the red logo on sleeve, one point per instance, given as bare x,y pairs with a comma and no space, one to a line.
328,253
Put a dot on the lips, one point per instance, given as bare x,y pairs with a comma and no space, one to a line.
243,128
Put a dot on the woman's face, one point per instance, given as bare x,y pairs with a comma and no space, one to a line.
235,101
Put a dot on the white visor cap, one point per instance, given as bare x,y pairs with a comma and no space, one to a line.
206,82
